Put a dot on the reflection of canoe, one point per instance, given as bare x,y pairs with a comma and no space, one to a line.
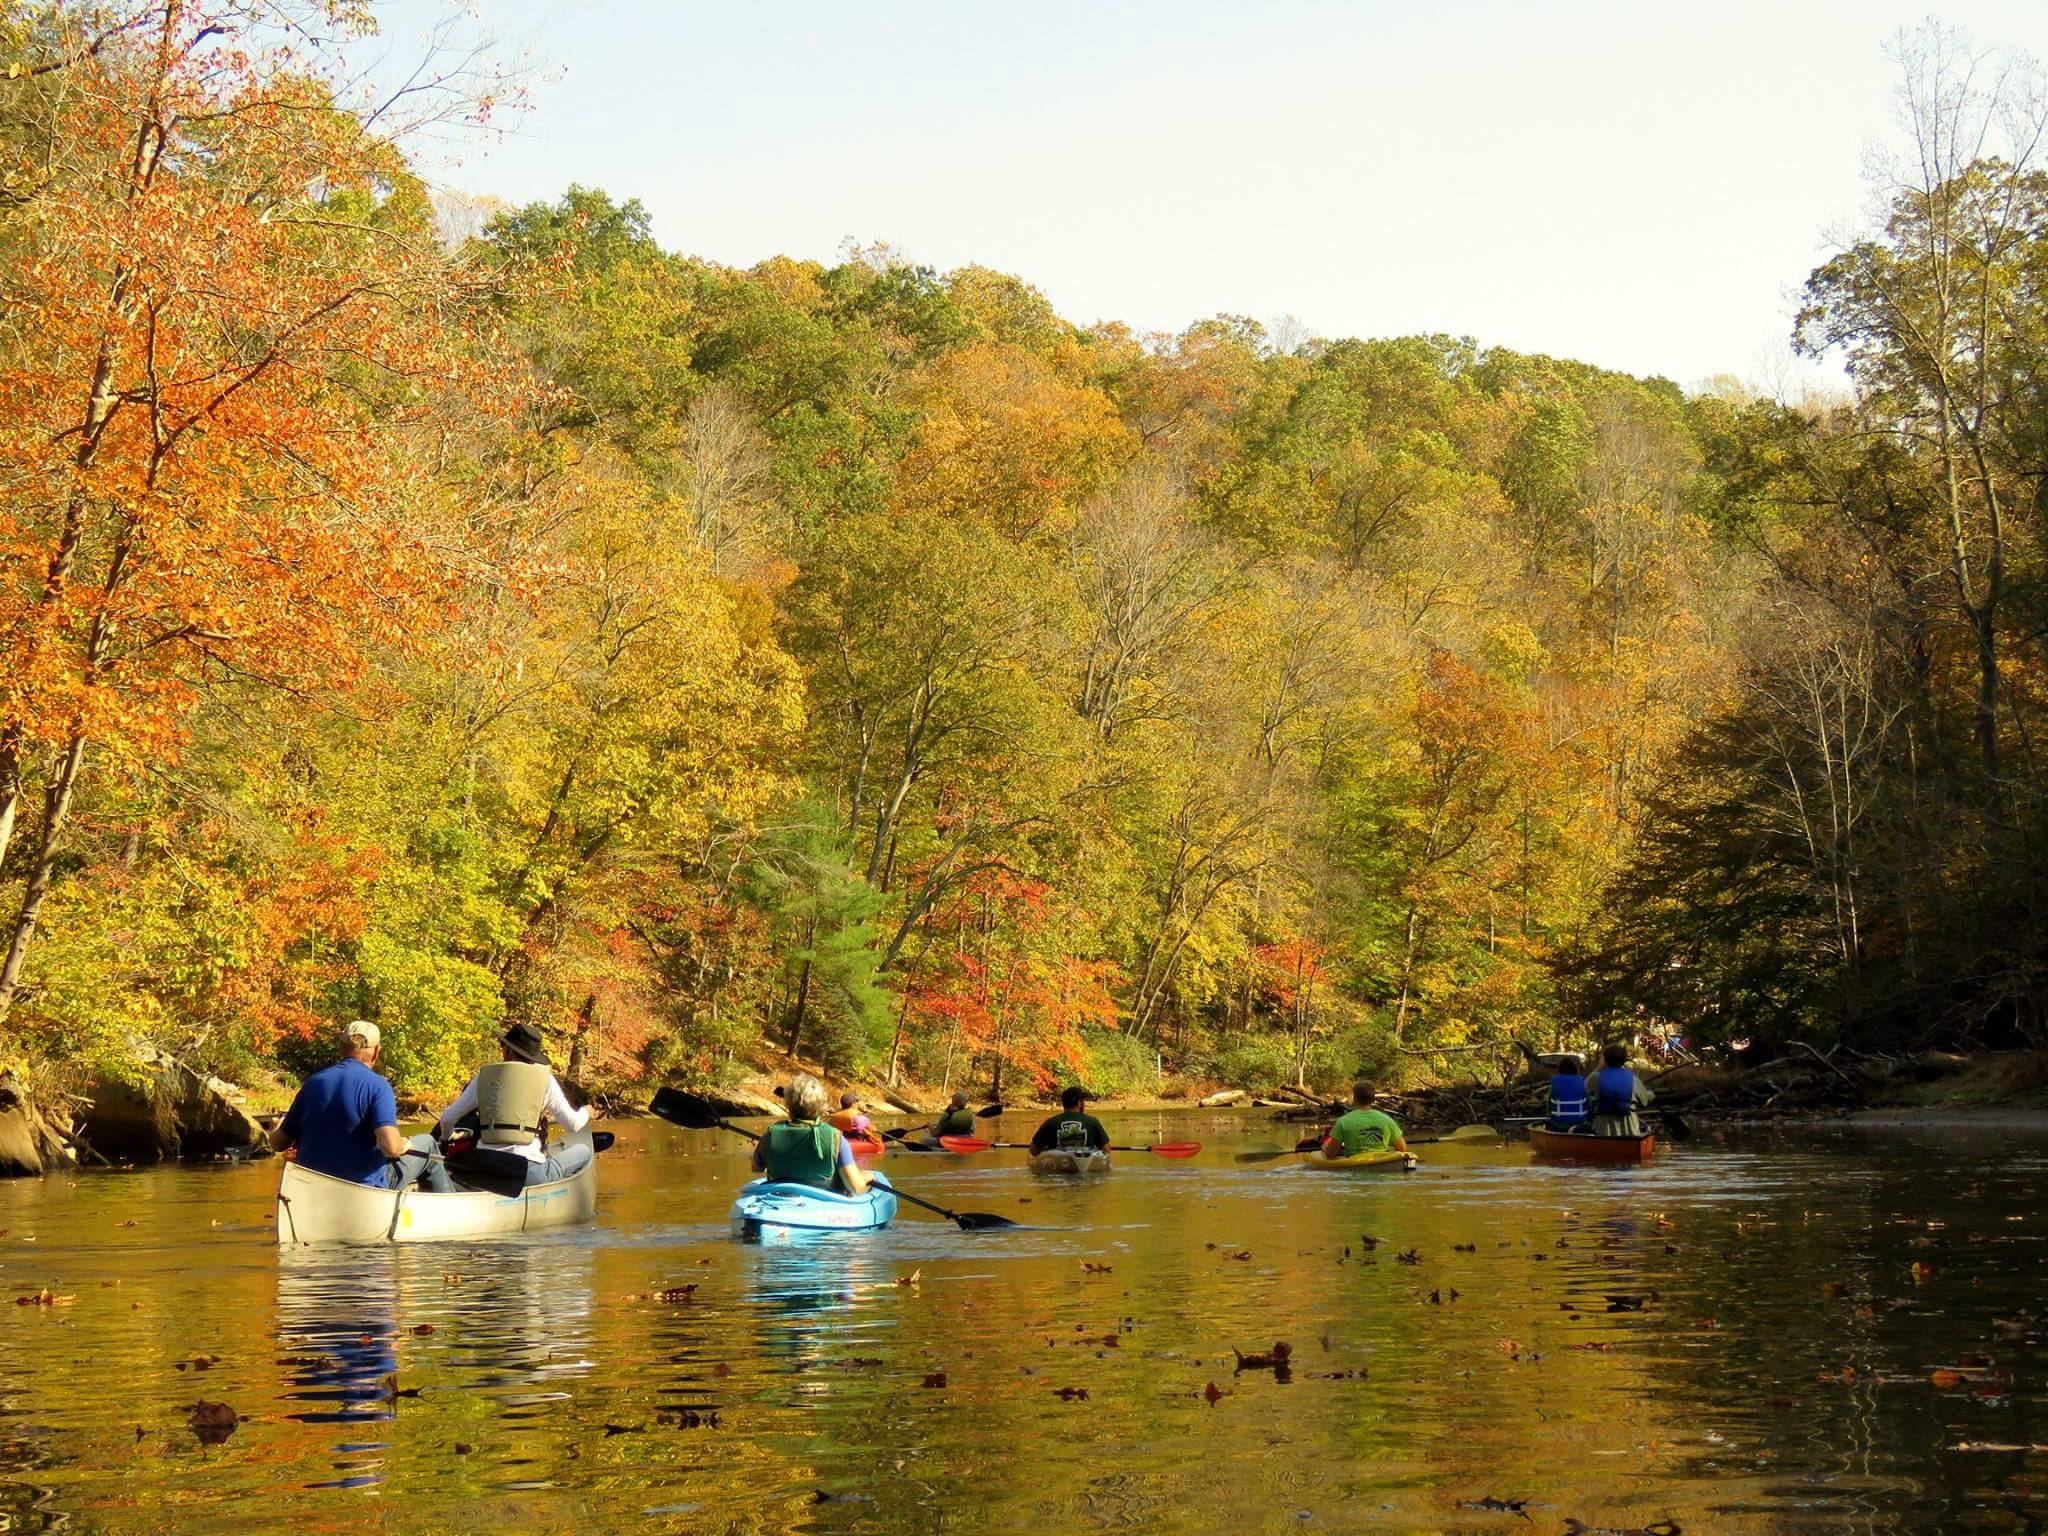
767,1211
1383,1161
1591,1149
319,1208
1054,1160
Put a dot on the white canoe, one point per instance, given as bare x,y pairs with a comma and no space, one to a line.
319,1208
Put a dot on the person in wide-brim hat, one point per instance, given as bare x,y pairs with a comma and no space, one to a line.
522,1042
514,1101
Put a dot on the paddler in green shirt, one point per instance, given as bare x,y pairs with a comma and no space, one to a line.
1363,1128
958,1120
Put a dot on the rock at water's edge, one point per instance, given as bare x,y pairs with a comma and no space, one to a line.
31,1141
168,1111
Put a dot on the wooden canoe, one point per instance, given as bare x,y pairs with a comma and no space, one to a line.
319,1208
1591,1149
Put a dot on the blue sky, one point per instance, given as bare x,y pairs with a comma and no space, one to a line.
1639,185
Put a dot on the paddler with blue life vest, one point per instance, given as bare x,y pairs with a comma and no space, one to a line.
1617,1094
806,1148
1568,1107
513,1101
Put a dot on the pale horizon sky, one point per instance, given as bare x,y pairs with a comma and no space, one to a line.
1642,187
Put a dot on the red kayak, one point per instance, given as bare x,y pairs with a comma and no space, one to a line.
867,1145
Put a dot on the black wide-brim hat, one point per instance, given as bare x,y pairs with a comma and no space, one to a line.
525,1042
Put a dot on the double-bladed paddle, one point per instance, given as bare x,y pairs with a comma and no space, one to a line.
969,1144
901,1134
696,1114
1266,1154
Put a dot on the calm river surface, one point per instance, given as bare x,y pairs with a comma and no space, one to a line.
1801,1332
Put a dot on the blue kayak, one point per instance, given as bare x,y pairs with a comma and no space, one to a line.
767,1211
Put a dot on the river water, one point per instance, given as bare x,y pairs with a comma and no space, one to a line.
1796,1332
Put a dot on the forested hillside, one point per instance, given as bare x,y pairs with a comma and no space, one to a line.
872,662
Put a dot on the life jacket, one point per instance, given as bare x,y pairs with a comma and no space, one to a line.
1616,1091
1071,1135
801,1152
1567,1099
510,1098
846,1121
956,1122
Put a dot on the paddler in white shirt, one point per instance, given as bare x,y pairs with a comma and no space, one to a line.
513,1101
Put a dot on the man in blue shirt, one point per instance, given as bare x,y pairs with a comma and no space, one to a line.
345,1119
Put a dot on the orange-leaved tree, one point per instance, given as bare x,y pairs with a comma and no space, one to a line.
225,314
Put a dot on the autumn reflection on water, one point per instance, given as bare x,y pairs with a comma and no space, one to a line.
1771,1333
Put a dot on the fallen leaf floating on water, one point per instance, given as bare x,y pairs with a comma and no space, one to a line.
1500,1506
463,1448
211,1422
1276,1359
1946,1379
1464,1247
688,1418
1368,1242
1510,1348
721,1369
1090,1267
1782,1404
1212,1392
199,1362
130,1222
44,1298
1602,1345
1655,1528
1626,1303
624,1429
1834,1290
1922,1273
912,1278
934,1379
454,1279
674,1294
1412,1256
1071,1394
421,1330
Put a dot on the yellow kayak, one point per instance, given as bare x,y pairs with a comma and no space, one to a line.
1383,1161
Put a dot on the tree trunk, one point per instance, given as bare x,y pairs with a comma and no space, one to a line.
56,811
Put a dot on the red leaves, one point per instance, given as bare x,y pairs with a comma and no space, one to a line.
1213,1393
421,1330
934,1379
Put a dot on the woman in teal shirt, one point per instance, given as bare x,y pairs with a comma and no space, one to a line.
804,1149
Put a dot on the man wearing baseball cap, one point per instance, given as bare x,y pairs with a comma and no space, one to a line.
345,1119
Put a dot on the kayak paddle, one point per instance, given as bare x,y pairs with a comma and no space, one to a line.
696,1114
904,1133
968,1144
1266,1154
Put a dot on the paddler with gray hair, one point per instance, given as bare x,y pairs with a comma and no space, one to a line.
513,1101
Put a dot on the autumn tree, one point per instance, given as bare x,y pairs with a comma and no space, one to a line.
225,308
